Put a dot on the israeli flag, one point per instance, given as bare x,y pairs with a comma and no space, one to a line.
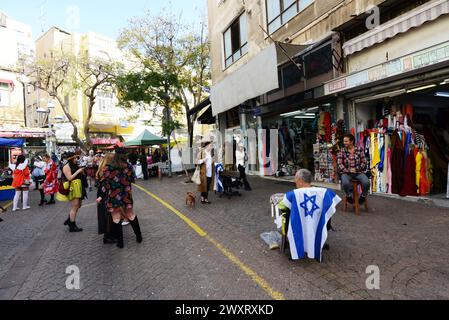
310,211
218,183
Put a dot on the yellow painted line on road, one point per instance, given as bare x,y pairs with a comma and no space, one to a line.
247,270
8,205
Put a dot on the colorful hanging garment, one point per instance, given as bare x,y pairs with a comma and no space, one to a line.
419,159
397,163
409,188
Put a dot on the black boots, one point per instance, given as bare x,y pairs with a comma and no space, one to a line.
136,229
73,227
118,233
66,223
52,200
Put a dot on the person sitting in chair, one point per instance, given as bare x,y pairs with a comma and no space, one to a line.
309,211
352,165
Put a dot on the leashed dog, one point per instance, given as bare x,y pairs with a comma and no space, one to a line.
191,199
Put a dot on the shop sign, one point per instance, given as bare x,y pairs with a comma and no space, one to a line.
386,70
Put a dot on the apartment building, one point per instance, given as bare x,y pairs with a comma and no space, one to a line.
300,66
17,45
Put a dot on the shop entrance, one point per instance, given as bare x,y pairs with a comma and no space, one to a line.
417,163
306,139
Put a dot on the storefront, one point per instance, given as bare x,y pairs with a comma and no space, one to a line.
407,140
399,112
36,140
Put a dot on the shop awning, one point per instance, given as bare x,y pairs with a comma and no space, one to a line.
258,76
11,143
26,134
425,13
8,82
203,104
207,117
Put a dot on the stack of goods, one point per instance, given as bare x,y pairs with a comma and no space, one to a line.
324,162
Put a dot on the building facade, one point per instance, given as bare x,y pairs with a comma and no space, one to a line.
313,70
17,46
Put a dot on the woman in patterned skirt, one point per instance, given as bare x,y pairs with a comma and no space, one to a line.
118,178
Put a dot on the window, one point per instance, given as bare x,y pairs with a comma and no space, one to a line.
318,62
291,75
5,95
279,12
235,40
104,102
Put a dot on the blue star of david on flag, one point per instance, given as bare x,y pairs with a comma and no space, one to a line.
305,206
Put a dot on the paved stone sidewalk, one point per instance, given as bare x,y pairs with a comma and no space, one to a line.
407,241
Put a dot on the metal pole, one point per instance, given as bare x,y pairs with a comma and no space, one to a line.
168,141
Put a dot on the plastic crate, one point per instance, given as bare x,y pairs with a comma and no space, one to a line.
7,193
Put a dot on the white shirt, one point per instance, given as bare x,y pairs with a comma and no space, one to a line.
208,162
240,157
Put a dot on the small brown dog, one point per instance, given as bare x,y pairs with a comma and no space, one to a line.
191,200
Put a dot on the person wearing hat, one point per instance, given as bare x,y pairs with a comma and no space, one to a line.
206,161
72,177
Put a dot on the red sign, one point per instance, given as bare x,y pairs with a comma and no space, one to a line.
99,142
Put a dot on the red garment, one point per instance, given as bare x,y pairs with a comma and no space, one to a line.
424,182
21,177
408,110
51,184
409,187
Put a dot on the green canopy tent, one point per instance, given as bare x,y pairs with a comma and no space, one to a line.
146,139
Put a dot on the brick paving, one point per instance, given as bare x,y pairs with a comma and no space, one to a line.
407,241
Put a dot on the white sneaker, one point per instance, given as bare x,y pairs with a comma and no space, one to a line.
125,223
27,208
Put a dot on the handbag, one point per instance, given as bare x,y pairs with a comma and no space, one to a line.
62,189
196,178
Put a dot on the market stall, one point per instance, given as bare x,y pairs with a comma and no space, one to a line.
144,141
9,150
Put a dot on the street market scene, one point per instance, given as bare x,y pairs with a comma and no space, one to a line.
224,150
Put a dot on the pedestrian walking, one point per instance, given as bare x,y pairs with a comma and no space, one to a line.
38,175
91,164
144,164
72,179
21,182
118,179
104,218
50,185
241,158
206,162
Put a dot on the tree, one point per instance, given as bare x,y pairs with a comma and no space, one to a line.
64,75
174,62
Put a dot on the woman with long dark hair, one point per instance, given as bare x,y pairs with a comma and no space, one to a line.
118,179
21,182
72,177
104,218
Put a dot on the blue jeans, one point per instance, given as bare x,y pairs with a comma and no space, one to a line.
346,181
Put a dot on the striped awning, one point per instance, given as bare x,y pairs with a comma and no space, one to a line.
425,13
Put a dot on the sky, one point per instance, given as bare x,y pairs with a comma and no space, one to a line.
105,17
